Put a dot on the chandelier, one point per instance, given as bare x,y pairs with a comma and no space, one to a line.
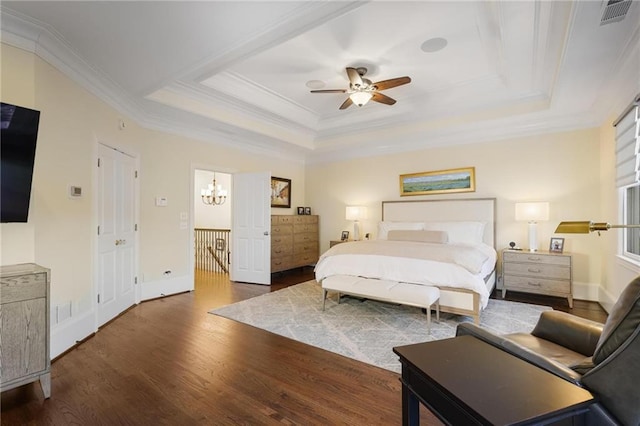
214,195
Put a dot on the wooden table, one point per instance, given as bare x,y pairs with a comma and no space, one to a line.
467,381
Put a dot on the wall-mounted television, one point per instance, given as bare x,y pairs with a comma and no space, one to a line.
18,135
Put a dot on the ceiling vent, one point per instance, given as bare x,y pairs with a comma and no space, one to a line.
614,11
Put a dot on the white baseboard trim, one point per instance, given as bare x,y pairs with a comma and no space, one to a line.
67,334
607,300
586,291
165,287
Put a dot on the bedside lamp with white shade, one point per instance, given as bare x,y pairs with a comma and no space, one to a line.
532,213
356,213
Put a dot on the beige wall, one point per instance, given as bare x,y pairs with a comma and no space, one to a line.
61,231
562,168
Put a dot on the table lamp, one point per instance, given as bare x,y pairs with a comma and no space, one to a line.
532,213
356,213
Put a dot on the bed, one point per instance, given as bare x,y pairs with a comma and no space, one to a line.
449,244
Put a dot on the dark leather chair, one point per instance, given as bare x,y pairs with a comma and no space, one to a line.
603,358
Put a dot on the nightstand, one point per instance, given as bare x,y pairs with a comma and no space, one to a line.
334,242
538,272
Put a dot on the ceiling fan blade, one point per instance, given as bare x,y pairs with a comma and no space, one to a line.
354,77
346,104
330,91
383,99
394,82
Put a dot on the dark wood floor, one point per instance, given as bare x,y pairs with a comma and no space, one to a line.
168,361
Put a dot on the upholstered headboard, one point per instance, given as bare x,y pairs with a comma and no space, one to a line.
464,209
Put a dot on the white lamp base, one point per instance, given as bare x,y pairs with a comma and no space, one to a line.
356,231
533,237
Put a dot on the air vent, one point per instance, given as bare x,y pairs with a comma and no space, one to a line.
614,11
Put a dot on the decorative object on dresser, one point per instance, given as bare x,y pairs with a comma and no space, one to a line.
307,210
356,213
556,245
345,236
300,210
294,241
24,327
541,273
438,182
280,192
532,213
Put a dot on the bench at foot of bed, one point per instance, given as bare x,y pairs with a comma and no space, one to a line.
421,296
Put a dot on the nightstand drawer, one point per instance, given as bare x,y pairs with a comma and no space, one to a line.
537,270
547,259
537,285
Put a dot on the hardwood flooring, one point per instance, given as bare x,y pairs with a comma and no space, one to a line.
169,362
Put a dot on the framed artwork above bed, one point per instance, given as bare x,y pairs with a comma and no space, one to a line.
438,182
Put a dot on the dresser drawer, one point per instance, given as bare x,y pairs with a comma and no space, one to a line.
305,219
299,228
537,285
537,270
306,258
512,256
277,239
306,237
305,247
23,287
281,230
281,263
278,250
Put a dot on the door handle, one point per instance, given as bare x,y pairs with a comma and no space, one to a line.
266,232
119,242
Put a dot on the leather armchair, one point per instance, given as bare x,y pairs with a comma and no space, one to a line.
603,358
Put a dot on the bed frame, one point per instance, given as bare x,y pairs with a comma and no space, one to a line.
455,301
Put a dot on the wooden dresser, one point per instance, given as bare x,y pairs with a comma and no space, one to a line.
24,326
294,241
537,272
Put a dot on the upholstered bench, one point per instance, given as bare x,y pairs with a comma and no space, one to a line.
421,296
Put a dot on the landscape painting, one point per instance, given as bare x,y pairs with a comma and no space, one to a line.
438,182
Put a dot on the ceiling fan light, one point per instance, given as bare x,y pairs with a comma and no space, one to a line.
360,98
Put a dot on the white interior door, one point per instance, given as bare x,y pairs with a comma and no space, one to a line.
251,226
116,233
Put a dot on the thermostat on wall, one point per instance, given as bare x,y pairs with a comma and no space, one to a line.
161,201
75,191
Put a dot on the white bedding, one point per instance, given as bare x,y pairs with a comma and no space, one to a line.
443,265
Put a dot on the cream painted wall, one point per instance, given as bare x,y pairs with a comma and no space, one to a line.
561,168
61,232
16,87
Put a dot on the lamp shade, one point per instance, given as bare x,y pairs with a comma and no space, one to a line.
356,212
532,212
360,98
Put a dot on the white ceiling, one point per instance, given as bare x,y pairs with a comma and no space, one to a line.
236,71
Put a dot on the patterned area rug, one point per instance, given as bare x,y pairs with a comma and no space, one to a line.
365,330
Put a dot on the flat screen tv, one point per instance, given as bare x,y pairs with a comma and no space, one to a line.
18,134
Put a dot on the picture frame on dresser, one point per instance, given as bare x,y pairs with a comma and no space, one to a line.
300,210
344,236
556,245
280,192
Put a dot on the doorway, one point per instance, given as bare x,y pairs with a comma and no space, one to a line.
212,223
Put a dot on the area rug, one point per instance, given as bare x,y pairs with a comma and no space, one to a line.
365,330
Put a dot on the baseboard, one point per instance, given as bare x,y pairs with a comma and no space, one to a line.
67,334
586,291
166,286
607,300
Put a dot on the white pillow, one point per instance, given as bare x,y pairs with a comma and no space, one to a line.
385,226
459,232
438,237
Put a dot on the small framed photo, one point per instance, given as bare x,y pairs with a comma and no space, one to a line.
220,244
300,210
556,245
307,210
345,236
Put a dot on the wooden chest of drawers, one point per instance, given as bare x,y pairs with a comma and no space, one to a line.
24,327
294,241
539,272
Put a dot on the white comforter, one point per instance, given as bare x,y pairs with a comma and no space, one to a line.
443,265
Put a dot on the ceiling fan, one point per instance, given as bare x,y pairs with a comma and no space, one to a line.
361,89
